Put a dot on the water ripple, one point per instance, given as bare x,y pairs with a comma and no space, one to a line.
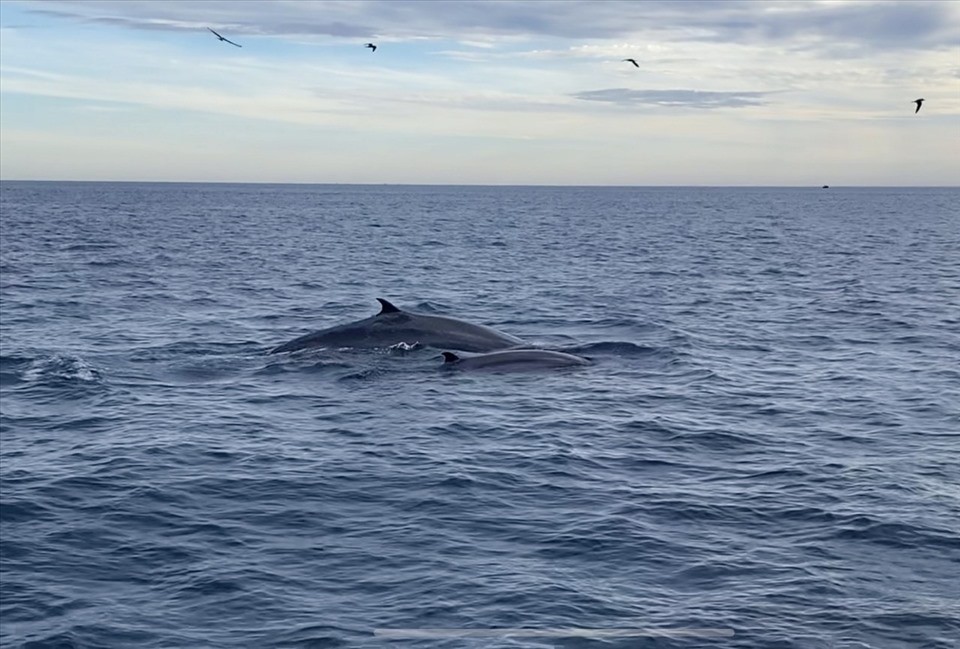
766,442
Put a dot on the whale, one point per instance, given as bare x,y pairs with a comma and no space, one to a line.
393,326
512,360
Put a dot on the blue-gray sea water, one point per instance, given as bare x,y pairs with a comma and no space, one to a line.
765,447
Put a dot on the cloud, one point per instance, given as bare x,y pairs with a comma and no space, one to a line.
703,99
163,20
836,26
524,89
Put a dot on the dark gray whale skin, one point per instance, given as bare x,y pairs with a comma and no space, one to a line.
393,326
513,360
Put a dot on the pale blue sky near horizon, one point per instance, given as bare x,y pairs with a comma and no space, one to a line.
728,92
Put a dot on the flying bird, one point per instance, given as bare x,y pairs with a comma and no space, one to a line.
919,103
371,46
224,39
632,61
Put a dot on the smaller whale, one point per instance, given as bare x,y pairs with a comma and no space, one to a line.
514,360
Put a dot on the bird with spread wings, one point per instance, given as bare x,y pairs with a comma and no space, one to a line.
224,39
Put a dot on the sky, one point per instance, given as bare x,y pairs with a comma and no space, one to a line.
490,92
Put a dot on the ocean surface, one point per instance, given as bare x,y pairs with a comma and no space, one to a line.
765,451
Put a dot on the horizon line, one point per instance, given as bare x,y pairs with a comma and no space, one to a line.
425,184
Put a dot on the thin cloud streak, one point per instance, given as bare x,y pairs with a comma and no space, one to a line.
702,99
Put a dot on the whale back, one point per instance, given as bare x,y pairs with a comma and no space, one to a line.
392,326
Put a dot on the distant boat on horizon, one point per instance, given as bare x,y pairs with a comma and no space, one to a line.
825,187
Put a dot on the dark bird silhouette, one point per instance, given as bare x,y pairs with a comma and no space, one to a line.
919,103
224,39
632,61
371,46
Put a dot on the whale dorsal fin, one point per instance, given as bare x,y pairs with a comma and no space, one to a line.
450,357
386,307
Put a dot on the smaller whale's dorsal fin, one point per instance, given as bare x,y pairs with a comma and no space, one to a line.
386,307
450,357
